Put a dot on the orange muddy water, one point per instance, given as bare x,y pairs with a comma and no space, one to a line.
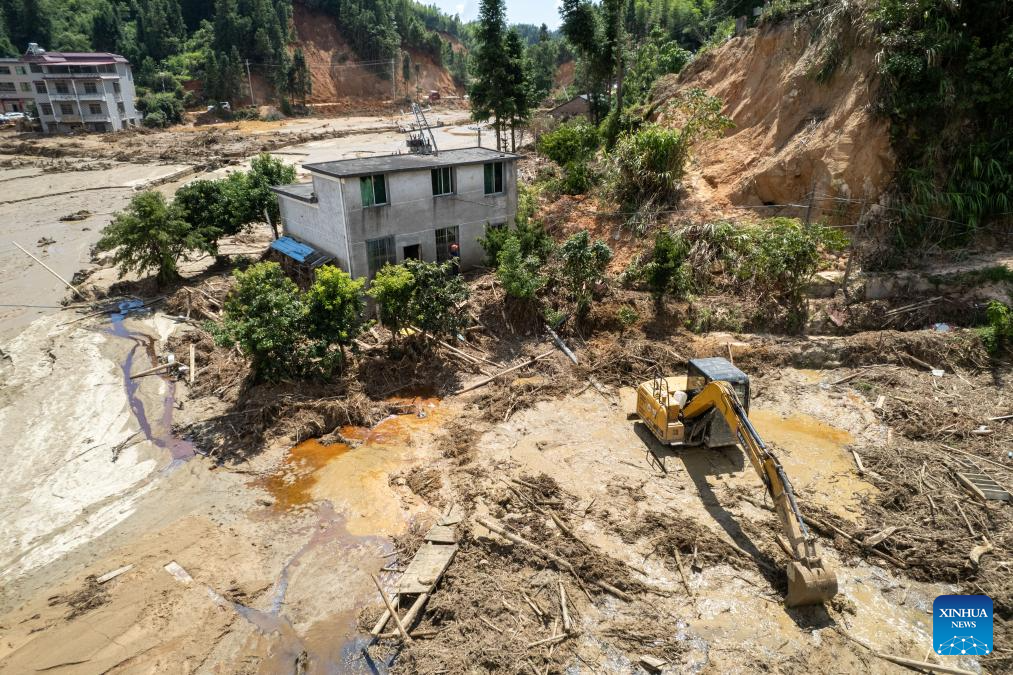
354,475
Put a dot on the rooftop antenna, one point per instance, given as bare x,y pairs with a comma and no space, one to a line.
35,50
420,135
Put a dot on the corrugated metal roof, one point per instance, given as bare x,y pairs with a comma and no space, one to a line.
292,248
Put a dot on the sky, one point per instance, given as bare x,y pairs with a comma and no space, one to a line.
536,12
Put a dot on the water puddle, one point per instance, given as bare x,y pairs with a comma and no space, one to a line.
354,475
815,456
157,430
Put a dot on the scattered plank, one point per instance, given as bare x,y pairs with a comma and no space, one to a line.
109,576
652,665
549,640
880,537
193,362
151,371
562,606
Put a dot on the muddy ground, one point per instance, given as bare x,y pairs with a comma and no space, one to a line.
244,521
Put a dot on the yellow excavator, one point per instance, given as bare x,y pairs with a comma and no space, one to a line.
710,407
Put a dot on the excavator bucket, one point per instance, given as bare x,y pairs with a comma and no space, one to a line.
810,586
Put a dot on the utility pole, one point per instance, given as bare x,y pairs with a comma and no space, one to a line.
249,81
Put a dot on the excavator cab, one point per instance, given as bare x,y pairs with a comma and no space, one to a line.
712,430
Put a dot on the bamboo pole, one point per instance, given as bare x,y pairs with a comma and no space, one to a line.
487,380
50,270
193,361
390,608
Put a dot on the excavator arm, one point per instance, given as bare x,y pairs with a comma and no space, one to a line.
809,582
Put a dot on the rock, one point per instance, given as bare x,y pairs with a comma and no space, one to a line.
265,502
532,382
825,284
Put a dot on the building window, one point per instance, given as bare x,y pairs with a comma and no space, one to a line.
47,108
66,109
380,252
90,88
95,108
445,236
443,181
5,70
25,87
7,86
20,70
116,87
62,88
374,190
494,178
36,68
120,107
40,87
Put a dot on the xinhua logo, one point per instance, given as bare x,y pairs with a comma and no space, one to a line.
962,624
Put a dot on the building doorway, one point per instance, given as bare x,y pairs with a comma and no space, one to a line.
412,252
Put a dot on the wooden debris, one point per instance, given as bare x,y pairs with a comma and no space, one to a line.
879,537
533,605
193,362
979,551
51,271
490,624
652,664
879,402
682,573
390,608
858,463
109,576
875,551
562,606
549,640
923,665
151,371
481,383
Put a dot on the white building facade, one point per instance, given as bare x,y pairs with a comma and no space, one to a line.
87,91
365,213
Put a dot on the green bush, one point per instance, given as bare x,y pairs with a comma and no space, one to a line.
998,334
646,166
151,235
420,295
576,140
584,265
163,109
531,236
335,305
287,333
519,273
668,272
627,316
780,257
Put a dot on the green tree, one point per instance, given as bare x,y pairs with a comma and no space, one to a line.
437,292
518,273
488,88
265,172
214,204
335,304
265,315
153,236
517,91
667,271
584,265
392,288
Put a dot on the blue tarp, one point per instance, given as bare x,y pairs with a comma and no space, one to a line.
292,248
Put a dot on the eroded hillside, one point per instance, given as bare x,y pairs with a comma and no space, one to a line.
798,128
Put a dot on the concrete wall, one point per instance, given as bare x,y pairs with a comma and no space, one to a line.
414,214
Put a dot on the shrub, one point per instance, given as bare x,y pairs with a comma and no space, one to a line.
392,288
265,315
420,295
998,334
571,141
151,235
531,236
782,256
164,109
578,178
668,271
265,172
627,316
646,166
584,264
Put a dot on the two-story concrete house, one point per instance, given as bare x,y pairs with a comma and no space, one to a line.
70,90
365,213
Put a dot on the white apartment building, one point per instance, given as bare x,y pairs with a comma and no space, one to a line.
69,91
